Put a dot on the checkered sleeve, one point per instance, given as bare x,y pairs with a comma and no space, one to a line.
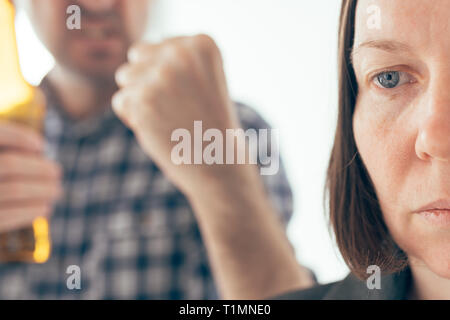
277,185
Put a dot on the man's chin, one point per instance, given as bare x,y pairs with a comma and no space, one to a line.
97,71
98,75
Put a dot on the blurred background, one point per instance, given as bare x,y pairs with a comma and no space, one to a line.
280,58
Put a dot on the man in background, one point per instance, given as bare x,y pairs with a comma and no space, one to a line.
134,222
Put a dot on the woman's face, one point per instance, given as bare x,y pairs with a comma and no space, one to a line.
402,120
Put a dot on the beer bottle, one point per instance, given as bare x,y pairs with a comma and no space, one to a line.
21,103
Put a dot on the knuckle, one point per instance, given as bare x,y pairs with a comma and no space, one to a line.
56,191
137,50
54,168
15,189
7,161
43,210
119,101
122,74
180,52
15,134
205,43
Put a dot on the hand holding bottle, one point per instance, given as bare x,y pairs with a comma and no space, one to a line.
29,183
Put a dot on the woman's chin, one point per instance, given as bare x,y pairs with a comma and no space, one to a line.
436,260
440,268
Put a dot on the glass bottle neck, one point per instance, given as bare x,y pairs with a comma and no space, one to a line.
13,88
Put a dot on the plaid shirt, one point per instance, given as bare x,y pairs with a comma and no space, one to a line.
127,227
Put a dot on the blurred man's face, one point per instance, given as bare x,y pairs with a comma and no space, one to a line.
108,28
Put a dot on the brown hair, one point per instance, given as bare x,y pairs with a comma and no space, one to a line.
355,214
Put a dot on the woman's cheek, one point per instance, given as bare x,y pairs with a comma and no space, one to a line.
383,145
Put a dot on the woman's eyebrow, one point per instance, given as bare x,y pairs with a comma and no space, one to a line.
385,45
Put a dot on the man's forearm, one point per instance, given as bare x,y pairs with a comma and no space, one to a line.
249,252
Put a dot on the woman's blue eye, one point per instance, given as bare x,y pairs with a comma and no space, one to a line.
389,79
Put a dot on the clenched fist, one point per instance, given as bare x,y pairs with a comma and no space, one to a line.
168,86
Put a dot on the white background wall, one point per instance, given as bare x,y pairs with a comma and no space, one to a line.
280,57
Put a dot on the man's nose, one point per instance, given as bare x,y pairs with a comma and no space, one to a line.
433,141
98,5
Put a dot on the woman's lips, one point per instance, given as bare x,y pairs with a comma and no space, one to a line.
437,213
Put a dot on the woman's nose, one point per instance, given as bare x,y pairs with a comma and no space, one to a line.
97,5
433,141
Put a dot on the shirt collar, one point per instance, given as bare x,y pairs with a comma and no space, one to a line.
88,127
393,287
